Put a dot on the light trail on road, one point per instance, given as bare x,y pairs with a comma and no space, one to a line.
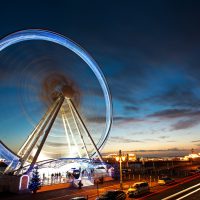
184,180
182,191
92,193
188,194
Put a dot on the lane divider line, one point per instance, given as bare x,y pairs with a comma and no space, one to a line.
185,180
188,194
182,191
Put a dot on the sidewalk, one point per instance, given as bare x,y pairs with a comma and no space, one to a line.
55,187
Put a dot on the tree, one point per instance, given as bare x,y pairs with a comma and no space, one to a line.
35,183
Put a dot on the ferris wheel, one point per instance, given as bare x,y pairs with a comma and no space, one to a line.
62,131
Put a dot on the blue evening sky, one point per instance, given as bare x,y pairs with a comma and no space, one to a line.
148,51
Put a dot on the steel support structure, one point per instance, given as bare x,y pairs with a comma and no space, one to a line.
85,128
32,140
42,130
78,129
54,115
73,138
66,132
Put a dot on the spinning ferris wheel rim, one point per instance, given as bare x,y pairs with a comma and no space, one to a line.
45,35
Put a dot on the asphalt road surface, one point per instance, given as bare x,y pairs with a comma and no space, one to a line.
186,189
157,192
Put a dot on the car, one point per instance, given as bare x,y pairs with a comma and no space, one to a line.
112,195
165,180
79,198
192,172
138,188
198,169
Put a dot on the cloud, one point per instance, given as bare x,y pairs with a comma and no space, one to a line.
163,137
174,113
124,119
123,140
178,96
185,124
131,108
150,139
187,117
170,113
127,119
196,141
137,133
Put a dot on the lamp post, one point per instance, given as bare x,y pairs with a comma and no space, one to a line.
120,158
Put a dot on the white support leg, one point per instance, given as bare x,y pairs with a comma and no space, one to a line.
80,135
66,132
85,129
74,141
39,134
27,145
50,124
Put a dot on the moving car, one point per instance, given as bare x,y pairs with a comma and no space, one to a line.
138,188
112,195
198,169
165,180
79,198
192,172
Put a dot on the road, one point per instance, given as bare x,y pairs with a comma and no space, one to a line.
157,192
186,189
194,196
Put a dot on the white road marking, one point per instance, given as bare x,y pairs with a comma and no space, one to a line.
188,194
182,191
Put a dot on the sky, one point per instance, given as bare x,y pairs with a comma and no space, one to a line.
147,50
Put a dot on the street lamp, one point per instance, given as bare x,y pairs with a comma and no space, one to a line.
120,158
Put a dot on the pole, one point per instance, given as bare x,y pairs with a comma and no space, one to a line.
150,181
97,182
120,169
